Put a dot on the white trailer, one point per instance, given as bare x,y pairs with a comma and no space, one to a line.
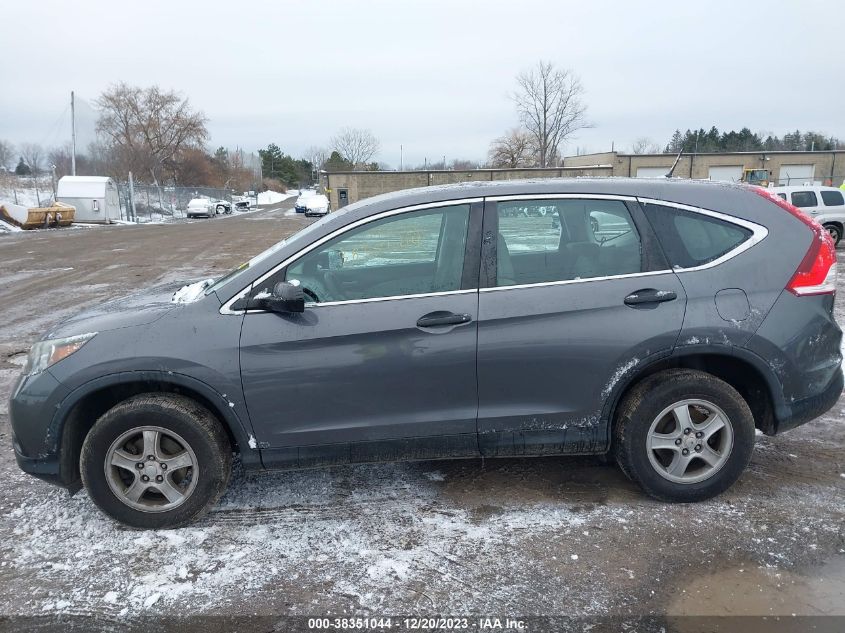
94,197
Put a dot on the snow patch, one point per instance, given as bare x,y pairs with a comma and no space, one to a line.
273,197
618,375
191,292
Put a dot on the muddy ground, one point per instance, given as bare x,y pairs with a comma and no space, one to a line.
547,536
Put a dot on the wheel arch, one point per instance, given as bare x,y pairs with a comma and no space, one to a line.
743,370
82,407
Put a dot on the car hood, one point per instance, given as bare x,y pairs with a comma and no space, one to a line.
140,308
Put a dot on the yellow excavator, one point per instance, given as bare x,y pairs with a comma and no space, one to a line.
755,176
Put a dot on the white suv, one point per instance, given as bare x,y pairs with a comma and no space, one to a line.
826,205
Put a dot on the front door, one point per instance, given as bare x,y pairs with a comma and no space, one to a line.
385,350
579,297
342,197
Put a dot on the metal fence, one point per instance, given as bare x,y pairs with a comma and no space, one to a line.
156,203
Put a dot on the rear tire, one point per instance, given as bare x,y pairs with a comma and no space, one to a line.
683,435
156,461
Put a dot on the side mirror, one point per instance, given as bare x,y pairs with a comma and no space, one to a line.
285,298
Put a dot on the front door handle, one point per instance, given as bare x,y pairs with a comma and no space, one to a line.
440,319
650,295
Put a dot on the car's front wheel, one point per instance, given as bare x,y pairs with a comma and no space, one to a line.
683,435
835,233
156,461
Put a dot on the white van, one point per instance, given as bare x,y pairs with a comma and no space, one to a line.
824,204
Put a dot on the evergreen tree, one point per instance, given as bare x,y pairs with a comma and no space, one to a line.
22,169
676,143
336,162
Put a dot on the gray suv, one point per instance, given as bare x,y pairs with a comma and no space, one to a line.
659,321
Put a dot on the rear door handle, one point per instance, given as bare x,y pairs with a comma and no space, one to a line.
440,319
650,295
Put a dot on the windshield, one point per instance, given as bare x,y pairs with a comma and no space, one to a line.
238,271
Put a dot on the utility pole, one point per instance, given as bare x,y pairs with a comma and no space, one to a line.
400,159
132,198
72,135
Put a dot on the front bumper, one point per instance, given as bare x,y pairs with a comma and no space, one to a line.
35,438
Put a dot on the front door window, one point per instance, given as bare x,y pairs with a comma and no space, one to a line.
418,252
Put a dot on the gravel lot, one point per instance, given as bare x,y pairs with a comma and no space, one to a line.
511,537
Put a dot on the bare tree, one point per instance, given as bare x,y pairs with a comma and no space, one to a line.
644,145
147,130
356,146
514,149
317,156
549,103
32,154
463,164
7,155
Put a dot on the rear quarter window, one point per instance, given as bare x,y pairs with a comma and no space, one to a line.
833,198
804,199
692,239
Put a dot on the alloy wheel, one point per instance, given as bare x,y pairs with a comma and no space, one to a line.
690,441
151,469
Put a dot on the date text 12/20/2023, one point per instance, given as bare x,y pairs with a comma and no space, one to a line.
417,623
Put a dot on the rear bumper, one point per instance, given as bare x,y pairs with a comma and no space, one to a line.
802,411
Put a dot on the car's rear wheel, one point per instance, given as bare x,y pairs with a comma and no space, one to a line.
156,461
835,232
683,435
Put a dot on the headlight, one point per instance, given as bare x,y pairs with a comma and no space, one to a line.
44,354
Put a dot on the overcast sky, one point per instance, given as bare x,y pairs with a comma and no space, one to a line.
432,76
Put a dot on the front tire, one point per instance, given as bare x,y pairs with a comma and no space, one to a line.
156,461
683,435
835,233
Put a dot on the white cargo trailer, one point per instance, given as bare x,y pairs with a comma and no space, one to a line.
94,197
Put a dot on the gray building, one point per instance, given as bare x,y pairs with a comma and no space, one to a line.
823,167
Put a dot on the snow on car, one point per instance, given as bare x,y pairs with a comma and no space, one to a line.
200,206
301,204
317,204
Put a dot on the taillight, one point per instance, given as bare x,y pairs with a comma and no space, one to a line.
816,274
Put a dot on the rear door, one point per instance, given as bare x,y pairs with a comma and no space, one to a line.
576,298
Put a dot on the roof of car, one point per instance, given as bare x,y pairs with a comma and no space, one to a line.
790,188
679,190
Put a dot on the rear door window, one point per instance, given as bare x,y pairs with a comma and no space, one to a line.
833,198
542,241
692,239
804,199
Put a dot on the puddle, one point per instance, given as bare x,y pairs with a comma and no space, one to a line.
762,591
